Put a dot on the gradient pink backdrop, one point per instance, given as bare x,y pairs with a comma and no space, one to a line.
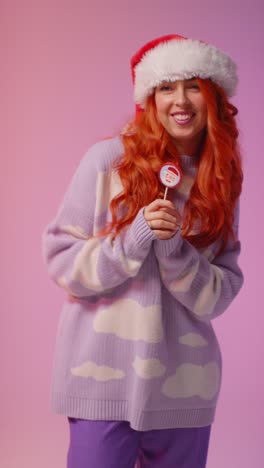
66,84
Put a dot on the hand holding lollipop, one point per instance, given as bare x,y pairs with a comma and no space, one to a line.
170,175
161,216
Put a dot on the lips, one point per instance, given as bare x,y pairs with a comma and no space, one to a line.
183,118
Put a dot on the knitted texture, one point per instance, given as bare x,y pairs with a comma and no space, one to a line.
135,340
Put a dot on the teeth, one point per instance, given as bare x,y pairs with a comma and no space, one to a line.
183,116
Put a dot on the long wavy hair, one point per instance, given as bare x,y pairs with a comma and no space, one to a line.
218,183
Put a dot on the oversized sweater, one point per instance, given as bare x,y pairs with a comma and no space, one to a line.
135,340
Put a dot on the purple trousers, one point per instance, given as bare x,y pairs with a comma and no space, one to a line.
113,444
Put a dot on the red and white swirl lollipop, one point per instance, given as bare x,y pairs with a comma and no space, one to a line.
171,176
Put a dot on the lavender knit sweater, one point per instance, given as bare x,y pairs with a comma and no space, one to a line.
135,340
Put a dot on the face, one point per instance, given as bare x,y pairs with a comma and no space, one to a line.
182,111
170,177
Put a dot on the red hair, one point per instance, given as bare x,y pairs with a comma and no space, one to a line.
218,182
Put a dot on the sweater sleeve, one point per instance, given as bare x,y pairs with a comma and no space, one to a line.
78,260
203,283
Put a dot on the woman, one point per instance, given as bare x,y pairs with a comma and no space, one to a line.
137,366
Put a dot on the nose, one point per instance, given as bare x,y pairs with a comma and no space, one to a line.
180,96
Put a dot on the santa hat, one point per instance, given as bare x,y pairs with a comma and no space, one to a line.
174,57
173,170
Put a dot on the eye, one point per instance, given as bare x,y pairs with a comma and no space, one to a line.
165,87
195,86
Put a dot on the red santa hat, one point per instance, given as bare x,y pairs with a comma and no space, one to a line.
172,169
174,57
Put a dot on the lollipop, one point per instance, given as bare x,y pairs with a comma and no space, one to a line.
170,175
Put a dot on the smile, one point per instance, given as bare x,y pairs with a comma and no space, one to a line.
183,119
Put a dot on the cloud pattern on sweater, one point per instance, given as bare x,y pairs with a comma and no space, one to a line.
192,380
148,368
100,373
129,320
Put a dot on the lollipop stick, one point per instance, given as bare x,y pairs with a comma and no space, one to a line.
165,193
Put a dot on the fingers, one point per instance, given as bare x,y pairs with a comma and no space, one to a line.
163,218
164,232
162,210
157,223
161,224
158,204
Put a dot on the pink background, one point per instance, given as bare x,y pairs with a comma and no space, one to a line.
67,84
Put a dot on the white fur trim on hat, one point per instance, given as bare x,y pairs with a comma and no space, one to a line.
182,59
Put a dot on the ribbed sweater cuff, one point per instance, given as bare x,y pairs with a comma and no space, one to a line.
163,248
140,234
